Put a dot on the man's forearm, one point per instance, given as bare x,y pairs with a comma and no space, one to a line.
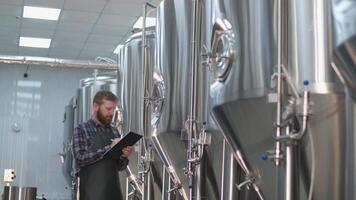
87,157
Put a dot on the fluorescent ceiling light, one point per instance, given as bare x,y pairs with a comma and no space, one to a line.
150,21
116,51
34,42
41,13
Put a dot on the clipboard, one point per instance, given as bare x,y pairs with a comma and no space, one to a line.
128,140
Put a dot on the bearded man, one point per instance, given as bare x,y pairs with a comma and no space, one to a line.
98,175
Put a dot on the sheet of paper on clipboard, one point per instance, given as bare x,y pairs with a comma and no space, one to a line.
128,140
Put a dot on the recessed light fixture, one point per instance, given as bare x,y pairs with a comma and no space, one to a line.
34,42
41,13
116,51
150,21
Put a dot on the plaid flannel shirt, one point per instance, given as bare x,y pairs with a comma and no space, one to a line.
82,148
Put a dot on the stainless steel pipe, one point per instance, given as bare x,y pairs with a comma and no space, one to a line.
55,62
145,152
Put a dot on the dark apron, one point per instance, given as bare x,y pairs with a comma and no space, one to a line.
100,181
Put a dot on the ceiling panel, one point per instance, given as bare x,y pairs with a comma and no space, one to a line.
86,28
116,20
131,1
103,39
8,30
11,47
27,51
8,52
7,20
74,27
78,16
98,47
127,9
71,44
111,30
45,3
91,55
67,36
11,10
64,53
85,5
11,2
28,32
39,24
9,40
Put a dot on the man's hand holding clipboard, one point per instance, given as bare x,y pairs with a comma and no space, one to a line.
122,146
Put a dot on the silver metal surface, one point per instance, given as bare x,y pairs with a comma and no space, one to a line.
327,127
350,148
284,187
231,176
55,62
240,101
311,45
344,16
249,141
19,193
344,64
68,167
310,56
172,67
88,88
248,80
135,70
146,152
193,163
173,125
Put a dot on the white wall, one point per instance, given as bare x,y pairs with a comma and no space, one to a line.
37,104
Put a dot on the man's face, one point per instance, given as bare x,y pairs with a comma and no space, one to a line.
105,111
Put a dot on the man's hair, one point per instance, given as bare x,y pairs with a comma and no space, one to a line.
104,94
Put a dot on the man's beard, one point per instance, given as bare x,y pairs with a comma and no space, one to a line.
102,119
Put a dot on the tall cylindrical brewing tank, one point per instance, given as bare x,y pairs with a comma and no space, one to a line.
344,63
132,95
246,32
171,100
242,59
310,53
89,87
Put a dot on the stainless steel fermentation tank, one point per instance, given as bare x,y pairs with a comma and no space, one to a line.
179,100
344,64
78,110
132,93
251,42
345,39
89,87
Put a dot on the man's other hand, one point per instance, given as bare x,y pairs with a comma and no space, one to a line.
126,152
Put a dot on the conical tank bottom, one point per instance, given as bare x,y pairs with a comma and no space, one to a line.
247,125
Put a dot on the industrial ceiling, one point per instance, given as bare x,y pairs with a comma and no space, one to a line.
86,28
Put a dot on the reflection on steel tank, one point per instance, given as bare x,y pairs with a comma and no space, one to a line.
133,94
180,106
